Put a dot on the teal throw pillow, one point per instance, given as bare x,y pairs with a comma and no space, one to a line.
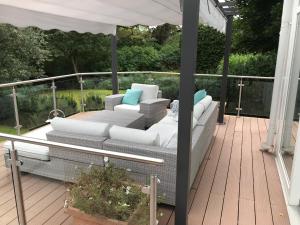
132,96
199,95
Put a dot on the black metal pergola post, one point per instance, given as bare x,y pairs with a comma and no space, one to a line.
114,65
223,92
186,103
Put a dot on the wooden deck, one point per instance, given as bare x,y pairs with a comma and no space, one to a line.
236,184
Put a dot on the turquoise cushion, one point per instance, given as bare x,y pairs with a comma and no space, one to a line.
199,95
132,96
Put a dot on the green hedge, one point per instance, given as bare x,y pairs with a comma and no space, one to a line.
251,64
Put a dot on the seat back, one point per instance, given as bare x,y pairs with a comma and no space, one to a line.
150,91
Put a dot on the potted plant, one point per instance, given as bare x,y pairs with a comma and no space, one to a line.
107,196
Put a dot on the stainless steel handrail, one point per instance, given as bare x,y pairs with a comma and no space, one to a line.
99,152
12,84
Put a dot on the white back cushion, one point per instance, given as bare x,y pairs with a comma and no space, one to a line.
149,91
198,110
206,101
80,127
165,131
134,135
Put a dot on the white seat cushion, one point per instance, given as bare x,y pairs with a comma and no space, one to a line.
149,91
134,135
31,150
170,119
125,107
80,127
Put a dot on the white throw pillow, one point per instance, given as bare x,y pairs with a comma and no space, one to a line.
80,127
134,135
149,91
198,110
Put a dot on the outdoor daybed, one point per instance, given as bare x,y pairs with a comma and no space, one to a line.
159,141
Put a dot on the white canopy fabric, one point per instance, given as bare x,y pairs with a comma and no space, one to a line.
101,16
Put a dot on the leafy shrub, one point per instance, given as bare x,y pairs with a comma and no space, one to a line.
170,54
106,192
93,102
138,58
251,64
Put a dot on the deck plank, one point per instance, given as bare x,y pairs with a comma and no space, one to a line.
231,199
261,194
279,211
199,205
235,184
215,203
246,201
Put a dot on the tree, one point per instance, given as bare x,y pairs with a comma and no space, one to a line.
257,27
23,53
163,32
210,50
74,52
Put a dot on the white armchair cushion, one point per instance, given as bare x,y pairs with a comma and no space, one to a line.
134,135
80,127
149,91
126,108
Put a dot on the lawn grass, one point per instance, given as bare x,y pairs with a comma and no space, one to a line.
76,94
10,130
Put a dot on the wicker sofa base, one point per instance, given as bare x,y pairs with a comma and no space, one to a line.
65,164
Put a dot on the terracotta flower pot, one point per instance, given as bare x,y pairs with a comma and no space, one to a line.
81,218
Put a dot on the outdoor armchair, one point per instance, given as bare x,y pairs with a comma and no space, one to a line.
151,104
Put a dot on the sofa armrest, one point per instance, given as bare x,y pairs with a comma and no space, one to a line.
112,100
151,106
75,139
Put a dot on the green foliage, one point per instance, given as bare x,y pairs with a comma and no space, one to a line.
107,192
163,32
210,49
74,52
257,27
251,64
23,54
170,54
137,58
94,102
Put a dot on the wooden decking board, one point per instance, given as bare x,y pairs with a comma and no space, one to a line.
279,211
216,198
248,193
197,212
230,209
261,194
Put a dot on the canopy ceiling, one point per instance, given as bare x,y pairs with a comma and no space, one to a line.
101,16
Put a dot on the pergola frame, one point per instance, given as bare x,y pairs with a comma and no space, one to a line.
190,21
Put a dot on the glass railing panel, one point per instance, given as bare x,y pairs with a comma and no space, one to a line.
232,101
8,209
211,84
256,97
95,88
34,104
7,113
68,96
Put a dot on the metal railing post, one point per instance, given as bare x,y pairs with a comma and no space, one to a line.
153,200
17,185
81,82
241,85
17,118
53,87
